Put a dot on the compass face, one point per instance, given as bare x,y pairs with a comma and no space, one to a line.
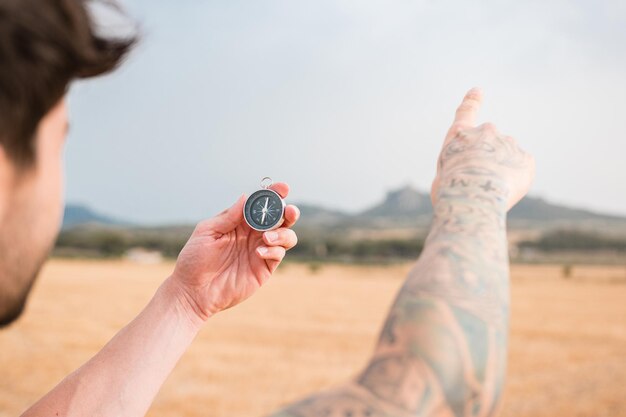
264,210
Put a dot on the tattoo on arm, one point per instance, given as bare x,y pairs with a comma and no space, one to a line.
442,349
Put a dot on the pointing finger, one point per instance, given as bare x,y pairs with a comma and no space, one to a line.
467,111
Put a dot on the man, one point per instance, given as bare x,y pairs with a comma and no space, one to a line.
442,350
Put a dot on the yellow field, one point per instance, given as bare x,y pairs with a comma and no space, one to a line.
304,332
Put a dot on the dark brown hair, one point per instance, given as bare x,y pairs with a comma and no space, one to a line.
44,45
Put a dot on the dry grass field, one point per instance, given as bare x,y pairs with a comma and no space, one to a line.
305,331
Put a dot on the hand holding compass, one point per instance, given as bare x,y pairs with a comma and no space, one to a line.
225,261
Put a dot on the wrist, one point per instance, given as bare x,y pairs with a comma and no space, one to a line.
469,205
472,188
183,304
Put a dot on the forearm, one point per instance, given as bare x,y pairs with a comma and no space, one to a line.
443,346
442,351
125,376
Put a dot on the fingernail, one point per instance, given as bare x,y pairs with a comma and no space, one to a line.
271,236
262,250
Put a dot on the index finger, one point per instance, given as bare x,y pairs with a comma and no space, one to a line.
467,111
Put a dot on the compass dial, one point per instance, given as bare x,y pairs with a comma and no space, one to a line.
264,210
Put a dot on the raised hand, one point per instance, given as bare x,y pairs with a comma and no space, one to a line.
225,261
443,348
482,156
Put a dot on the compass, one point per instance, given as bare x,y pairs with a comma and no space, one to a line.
264,209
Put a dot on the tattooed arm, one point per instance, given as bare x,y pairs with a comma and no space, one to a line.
442,350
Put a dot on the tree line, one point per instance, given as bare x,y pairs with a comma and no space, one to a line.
105,242
109,243
575,240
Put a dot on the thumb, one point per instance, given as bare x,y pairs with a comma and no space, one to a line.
230,218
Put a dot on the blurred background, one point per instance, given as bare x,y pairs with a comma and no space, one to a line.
347,101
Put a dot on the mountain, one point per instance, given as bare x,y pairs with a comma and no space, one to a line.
408,206
400,208
320,216
77,214
404,203
539,209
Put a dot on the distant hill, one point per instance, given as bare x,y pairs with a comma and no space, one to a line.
77,214
402,207
392,229
317,215
401,204
539,209
408,206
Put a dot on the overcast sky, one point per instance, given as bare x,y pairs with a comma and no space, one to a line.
346,99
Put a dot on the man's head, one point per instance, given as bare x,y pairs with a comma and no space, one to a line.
44,45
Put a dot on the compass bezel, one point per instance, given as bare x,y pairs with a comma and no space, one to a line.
247,215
